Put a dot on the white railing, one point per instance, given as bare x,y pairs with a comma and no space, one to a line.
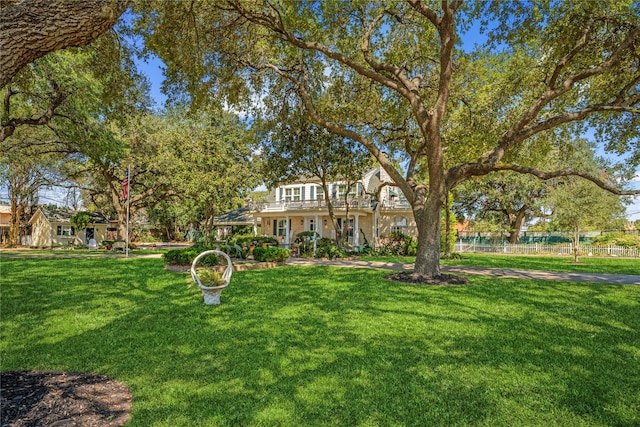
359,202
538,248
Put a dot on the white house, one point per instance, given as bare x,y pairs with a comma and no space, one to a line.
302,206
51,226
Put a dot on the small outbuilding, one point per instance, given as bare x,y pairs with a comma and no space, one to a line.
241,217
52,226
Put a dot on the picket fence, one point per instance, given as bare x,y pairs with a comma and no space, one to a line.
537,248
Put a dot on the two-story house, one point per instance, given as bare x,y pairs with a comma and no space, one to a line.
302,206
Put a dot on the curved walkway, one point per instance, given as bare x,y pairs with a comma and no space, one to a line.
617,279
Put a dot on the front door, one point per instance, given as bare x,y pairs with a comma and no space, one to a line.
89,233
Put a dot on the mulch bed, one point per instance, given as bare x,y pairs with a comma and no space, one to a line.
40,398
425,279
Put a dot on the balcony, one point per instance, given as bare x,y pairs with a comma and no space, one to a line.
354,203
396,204
281,206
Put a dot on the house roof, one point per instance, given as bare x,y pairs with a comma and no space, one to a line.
240,216
58,214
6,209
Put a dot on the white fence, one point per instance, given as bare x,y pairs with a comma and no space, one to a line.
538,248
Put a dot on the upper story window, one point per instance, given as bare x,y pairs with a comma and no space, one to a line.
342,189
292,194
320,193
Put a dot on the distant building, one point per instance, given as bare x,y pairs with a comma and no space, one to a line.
51,226
5,222
228,222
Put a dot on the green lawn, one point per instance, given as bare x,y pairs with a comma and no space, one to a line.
328,346
546,263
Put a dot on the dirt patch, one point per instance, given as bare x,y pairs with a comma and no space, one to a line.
425,279
40,398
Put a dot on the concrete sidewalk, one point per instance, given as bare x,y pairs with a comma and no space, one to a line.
617,279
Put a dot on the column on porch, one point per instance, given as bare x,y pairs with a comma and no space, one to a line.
287,238
356,230
318,226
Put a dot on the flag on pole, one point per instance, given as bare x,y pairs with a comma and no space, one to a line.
125,186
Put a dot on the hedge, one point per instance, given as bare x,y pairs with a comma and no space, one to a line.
186,256
271,254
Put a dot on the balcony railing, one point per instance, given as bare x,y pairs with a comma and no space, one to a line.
365,202
396,204
284,205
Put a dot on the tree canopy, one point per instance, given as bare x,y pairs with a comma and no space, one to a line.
400,79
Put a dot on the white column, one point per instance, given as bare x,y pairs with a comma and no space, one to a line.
287,240
255,226
356,231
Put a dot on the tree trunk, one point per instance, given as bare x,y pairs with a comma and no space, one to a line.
30,29
332,215
428,223
516,225
447,227
576,243
16,215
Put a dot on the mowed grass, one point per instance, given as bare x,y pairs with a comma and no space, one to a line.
329,347
534,262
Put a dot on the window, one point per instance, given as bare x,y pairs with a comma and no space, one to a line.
399,225
312,225
282,227
320,192
342,189
65,230
292,194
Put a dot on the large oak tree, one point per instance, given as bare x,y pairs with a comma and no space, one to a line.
400,79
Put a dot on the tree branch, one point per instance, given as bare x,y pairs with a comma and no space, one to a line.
29,29
57,98
566,172
518,131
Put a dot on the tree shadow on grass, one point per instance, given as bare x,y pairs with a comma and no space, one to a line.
342,347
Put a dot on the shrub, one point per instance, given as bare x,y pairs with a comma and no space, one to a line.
399,244
250,240
618,239
186,256
330,251
327,248
271,254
